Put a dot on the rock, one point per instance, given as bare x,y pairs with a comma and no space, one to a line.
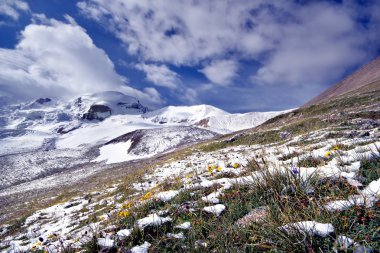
364,134
97,112
43,100
256,215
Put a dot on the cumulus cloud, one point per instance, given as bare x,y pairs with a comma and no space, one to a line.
295,42
60,59
12,8
318,47
160,75
221,72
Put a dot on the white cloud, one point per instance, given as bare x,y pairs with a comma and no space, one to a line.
296,42
11,8
179,32
316,49
221,72
59,59
160,75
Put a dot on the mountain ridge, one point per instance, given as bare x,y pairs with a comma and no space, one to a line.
363,76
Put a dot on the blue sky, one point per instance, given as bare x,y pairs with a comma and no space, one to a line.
237,55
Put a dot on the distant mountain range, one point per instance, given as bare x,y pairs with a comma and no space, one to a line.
49,135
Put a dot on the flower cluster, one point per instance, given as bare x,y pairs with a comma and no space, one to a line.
124,214
148,195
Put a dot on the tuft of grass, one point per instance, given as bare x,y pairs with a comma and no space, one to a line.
370,168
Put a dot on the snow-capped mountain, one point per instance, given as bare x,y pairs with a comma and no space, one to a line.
49,135
208,117
94,119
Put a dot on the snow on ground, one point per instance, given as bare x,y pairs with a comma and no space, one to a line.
116,153
152,220
166,196
124,233
141,248
19,144
222,169
185,225
309,227
101,132
216,209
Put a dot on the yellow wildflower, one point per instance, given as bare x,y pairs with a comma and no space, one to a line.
146,196
236,165
126,206
219,168
328,153
336,147
124,214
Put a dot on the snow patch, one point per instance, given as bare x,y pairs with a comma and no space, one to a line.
216,209
152,220
309,227
167,196
142,248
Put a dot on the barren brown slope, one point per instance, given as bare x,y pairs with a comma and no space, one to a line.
367,74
